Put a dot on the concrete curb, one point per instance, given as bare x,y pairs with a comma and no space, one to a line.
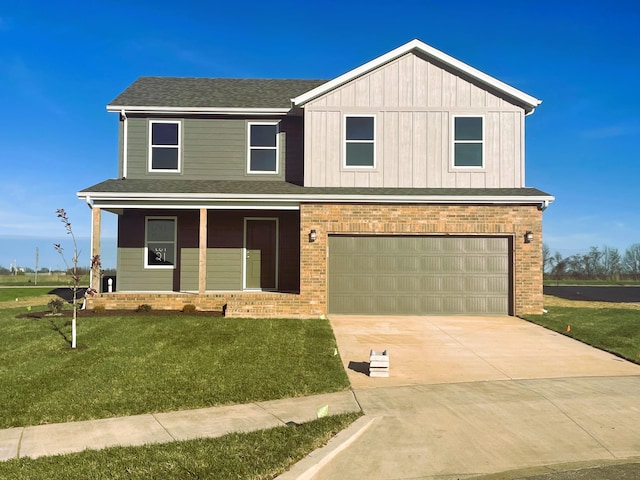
309,466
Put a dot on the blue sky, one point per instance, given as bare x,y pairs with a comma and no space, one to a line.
62,62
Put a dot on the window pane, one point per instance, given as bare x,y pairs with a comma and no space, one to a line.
359,128
160,229
263,160
263,135
164,134
359,155
160,253
468,128
164,158
468,155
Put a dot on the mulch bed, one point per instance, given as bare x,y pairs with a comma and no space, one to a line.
117,313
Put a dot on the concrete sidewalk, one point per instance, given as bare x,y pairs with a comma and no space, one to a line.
61,438
455,431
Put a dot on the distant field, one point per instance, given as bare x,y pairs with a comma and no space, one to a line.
29,279
550,281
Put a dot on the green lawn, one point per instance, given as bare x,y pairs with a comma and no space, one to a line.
616,330
263,454
138,364
8,294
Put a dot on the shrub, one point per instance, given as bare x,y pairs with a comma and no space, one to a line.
99,309
143,308
189,308
55,305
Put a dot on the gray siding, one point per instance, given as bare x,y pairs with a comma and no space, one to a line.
414,101
215,149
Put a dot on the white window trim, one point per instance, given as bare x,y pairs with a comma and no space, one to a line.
249,148
344,142
244,255
151,146
175,242
454,142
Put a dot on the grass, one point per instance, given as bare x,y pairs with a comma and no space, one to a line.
263,454
614,328
20,293
138,364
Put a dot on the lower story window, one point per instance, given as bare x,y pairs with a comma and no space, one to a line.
160,242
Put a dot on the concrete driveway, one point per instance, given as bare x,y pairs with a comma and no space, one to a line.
471,396
455,349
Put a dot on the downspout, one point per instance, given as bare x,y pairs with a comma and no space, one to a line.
543,206
125,136
90,205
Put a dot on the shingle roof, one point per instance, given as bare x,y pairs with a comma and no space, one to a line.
212,92
251,187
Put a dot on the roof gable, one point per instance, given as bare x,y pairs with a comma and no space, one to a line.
528,102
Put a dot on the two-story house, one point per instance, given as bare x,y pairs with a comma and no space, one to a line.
396,188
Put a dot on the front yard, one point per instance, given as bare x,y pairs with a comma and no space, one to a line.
133,364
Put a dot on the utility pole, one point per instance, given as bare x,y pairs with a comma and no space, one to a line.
36,282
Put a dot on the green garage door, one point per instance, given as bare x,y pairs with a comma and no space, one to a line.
418,275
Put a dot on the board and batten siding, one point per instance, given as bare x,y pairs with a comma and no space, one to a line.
414,101
212,149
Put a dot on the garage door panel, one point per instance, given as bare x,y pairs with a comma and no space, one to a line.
418,275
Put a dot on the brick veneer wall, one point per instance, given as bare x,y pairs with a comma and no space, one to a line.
509,220
327,219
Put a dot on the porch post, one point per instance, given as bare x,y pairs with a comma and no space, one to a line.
202,258
94,279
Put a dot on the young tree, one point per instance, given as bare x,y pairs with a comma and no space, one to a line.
75,275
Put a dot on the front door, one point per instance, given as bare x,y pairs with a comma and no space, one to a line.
261,253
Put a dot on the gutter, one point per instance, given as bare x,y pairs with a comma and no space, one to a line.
125,137
103,197
159,110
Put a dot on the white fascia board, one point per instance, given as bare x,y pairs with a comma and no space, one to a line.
197,110
120,200
427,50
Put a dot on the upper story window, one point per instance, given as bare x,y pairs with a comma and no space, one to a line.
263,155
359,148
468,139
164,146
160,242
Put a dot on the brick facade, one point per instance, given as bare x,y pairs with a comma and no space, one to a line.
485,220
327,219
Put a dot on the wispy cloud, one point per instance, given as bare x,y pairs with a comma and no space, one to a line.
613,131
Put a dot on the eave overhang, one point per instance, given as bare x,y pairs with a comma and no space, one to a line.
112,200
